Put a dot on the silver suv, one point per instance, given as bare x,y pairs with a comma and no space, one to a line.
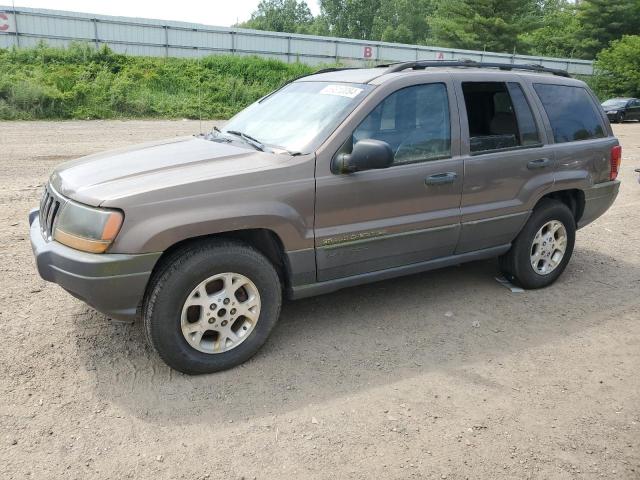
336,179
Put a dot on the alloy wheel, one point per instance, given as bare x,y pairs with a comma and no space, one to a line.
220,313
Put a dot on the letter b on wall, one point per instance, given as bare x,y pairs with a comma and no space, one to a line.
6,23
367,52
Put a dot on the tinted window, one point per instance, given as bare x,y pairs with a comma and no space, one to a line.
527,127
499,116
414,121
571,111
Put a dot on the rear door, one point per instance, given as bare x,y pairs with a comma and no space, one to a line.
506,159
578,126
408,213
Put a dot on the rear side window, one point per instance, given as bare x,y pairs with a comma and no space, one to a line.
571,111
527,127
414,121
499,116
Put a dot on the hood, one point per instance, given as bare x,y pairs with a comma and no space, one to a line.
104,177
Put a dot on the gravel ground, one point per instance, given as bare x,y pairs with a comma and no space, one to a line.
441,375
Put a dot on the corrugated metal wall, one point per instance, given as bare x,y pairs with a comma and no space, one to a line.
25,27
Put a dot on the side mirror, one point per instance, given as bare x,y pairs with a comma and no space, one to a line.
367,154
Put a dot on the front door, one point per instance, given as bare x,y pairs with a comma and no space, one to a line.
408,213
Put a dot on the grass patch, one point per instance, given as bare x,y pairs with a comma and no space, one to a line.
81,82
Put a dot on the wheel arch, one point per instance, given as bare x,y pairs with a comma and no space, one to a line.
573,198
266,241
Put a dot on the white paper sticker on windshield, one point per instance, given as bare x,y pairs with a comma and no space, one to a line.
341,90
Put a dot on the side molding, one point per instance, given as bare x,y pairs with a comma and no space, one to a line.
319,288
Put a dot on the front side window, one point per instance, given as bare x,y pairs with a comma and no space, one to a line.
414,121
499,116
300,116
571,111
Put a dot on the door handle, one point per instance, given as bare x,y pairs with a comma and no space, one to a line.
441,178
539,163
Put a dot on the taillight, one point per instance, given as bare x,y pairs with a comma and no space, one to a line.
616,158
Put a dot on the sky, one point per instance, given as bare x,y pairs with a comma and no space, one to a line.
210,12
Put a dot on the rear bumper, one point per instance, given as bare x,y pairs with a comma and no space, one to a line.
597,200
113,284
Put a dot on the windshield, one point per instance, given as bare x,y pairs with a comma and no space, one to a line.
300,116
615,103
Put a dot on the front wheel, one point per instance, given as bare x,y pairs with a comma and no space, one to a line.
620,118
542,250
211,306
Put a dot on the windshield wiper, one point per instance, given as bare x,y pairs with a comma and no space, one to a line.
247,138
255,142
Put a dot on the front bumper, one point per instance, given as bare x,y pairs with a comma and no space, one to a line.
112,283
597,200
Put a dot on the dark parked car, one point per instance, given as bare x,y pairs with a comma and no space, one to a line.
620,109
337,179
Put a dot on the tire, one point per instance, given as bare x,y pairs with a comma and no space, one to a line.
171,289
620,118
517,263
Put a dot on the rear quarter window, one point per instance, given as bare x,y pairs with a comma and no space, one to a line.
571,111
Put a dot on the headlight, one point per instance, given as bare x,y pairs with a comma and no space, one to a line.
86,228
612,111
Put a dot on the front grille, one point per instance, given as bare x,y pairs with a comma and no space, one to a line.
49,209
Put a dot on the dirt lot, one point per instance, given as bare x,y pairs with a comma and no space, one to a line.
440,375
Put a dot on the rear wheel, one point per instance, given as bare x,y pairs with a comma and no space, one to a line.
211,306
542,250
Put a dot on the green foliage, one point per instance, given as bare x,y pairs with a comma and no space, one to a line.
581,30
281,16
492,25
602,21
80,82
618,69
350,18
402,21
556,35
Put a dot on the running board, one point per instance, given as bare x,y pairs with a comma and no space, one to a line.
319,288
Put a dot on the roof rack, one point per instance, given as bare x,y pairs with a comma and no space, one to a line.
421,64
322,70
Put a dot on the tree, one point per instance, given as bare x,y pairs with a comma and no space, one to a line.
491,25
556,34
350,18
605,20
291,16
402,21
617,69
